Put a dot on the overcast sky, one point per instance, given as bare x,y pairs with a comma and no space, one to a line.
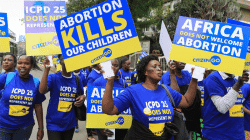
15,11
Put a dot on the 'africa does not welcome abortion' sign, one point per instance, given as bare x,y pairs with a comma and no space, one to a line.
210,44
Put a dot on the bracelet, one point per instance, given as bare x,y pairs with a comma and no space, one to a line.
40,128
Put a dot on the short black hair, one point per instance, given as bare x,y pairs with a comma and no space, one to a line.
141,66
14,57
32,61
123,60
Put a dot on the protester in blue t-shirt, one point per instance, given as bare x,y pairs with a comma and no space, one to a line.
85,72
118,83
183,77
148,101
201,86
94,74
20,98
134,77
124,72
223,114
246,107
61,119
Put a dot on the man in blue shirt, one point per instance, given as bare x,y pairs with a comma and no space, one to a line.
223,114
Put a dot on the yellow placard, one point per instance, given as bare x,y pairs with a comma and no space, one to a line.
18,110
42,44
108,121
247,63
185,54
65,106
236,111
5,44
73,62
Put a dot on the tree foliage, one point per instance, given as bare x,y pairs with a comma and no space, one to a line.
215,10
140,10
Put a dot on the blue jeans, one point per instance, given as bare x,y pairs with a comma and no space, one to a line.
16,134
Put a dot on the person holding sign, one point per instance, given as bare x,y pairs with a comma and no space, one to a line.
118,83
124,72
61,119
246,106
179,80
20,97
148,101
223,114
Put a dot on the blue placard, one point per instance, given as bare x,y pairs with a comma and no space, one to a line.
97,34
231,21
91,20
94,98
215,34
4,25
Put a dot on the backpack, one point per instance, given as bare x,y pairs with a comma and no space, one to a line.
11,75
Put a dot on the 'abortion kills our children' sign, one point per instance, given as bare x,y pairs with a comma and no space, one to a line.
97,34
210,44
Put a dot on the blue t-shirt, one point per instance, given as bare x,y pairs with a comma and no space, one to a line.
60,112
134,77
201,86
218,126
246,90
92,77
85,73
101,82
5,72
150,107
1,92
184,80
126,75
18,101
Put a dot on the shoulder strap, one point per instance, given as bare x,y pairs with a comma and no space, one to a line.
79,91
9,77
169,95
121,74
123,83
36,81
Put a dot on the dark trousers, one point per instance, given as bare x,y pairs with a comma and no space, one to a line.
17,134
61,135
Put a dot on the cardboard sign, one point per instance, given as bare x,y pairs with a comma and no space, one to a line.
41,38
210,44
247,62
97,34
4,33
96,118
165,41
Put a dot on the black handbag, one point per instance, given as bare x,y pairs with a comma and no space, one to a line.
178,120
80,112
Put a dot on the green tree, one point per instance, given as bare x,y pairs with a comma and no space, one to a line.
140,10
215,10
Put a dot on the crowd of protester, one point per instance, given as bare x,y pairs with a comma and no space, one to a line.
220,100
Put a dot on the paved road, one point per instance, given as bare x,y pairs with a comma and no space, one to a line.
81,135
